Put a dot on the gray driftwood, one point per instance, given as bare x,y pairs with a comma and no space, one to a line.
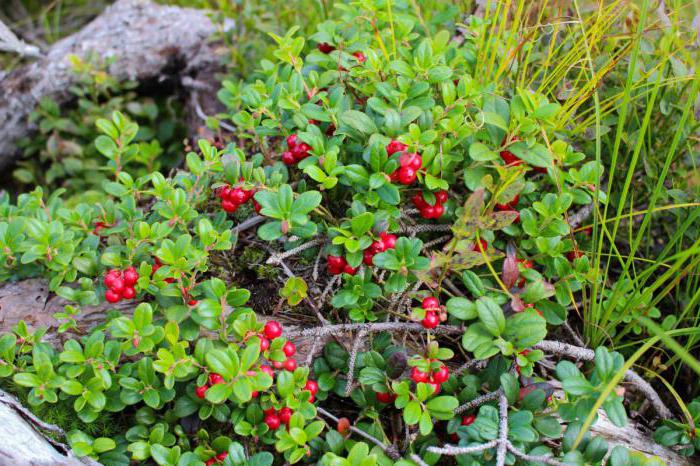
148,42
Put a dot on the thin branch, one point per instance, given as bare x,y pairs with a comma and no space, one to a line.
10,43
586,354
424,228
454,451
534,459
473,364
370,328
478,401
277,258
418,460
390,450
249,223
502,430
351,361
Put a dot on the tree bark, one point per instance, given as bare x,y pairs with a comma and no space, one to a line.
146,40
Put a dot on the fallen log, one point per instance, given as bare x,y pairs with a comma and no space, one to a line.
147,41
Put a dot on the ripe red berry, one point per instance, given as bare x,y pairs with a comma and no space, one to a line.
428,212
256,206
221,456
411,160
129,292
272,421
336,264
289,349
438,210
441,196
395,146
267,370
441,375
388,240
277,364
431,303
325,47
482,245
117,285
468,420
377,246
407,175
312,386
130,276
264,344
387,397
210,461
368,257
288,158
215,378
112,296
508,157
572,255
272,329
270,411
360,57
192,302
419,201
237,196
229,206
394,176
435,386
254,393
349,270
285,415
290,365
200,391
418,375
431,320
292,140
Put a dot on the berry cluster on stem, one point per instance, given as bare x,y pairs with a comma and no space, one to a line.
120,284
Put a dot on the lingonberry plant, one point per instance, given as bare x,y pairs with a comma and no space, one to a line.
437,206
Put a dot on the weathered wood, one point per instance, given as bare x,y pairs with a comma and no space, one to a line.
148,41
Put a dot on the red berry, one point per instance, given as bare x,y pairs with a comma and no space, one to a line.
388,240
292,140
468,420
312,386
128,292
289,349
441,375
210,461
224,192
237,196
215,378
430,303
441,196
407,175
484,246
130,276
394,176
395,146
377,246
428,212
325,47
290,365
288,158
368,257
269,412
272,421
272,329
571,255
229,206
285,415
264,344
256,206
222,456
360,57
510,159
336,264
419,201
112,296
411,160
385,397
192,302
111,277
349,270
277,364
431,320
267,370
418,375
438,210
200,391
254,393
117,285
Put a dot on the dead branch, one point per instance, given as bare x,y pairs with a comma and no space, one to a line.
390,450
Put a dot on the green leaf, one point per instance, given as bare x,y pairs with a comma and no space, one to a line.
491,315
358,121
461,308
220,361
412,412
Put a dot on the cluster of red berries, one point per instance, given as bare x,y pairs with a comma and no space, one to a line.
386,397
513,160
216,459
526,264
98,227
434,379
385,241
410,163
338,265
432,308
272,331
510,207
325,47
232,198
297,152
213,379
120,284
427,210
